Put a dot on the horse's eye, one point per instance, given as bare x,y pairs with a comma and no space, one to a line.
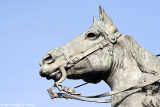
48,59
92,36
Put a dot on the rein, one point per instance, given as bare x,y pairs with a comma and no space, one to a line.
72,94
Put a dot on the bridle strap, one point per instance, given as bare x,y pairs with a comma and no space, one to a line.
74,59
67,96
70,92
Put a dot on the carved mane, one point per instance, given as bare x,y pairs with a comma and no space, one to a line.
149,64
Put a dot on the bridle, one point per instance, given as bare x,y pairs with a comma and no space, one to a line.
72,94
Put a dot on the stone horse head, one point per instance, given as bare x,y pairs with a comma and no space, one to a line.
103,53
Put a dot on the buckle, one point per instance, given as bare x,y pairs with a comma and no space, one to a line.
101,46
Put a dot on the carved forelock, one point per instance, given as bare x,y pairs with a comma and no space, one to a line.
102,26
108,25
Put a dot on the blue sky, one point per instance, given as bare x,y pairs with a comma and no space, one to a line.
30,28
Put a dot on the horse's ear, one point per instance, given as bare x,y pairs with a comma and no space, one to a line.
103,16
94,19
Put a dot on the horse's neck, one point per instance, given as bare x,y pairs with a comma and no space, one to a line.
124,74
124,71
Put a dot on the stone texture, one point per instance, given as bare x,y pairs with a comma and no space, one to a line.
122,63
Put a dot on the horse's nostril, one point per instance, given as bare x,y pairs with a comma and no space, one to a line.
48,59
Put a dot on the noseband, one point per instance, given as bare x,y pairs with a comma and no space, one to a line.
72,94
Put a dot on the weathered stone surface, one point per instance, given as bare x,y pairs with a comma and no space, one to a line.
121,63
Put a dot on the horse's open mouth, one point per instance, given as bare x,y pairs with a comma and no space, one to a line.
53,75
56,75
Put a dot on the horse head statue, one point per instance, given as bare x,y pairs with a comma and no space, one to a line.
103,53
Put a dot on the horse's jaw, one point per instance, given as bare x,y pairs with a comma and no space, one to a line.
86,74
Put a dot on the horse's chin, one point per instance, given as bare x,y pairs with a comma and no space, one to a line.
54,77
